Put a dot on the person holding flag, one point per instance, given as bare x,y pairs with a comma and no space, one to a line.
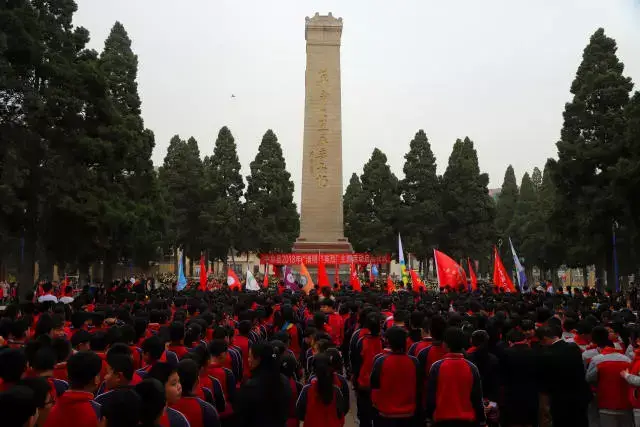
403,267
521,274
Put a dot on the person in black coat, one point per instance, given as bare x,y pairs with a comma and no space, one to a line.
562,379
518,365
265,399
487,364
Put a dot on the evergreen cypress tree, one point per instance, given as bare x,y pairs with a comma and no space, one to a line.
421,213
269,207
223,188
355,213
505,210
382,195
523,230
536,179
591,143
468,228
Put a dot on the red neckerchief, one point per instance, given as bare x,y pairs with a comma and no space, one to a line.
609,350
520,343
472,349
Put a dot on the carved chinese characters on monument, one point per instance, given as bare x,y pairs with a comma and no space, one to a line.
319,153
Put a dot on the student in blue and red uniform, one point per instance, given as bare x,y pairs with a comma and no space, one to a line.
122,409
44,399
168,377
395,383
321,403
176,334
76,408
218,351
13,363
368,347
454,389
120,373
198,412
153,402
18,408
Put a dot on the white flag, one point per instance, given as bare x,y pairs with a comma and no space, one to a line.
252,283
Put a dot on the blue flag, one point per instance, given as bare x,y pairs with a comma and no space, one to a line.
182,280
522,276
374,270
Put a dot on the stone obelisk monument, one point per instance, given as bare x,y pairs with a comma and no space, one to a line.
321,223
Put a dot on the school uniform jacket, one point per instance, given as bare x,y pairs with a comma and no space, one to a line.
74,409
315,413
198,412
611,389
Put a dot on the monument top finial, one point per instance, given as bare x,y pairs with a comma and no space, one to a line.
323,20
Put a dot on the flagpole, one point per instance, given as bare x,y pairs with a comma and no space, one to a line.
435,264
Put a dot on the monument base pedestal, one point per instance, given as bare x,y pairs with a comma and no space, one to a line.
338,246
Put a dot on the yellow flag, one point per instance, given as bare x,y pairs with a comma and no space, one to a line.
307,281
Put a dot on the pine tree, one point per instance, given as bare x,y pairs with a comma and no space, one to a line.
355,213
553,249
223,189
269,209
591,143
421,213
524,230
505,210
382,198
536,179
468,229
181,177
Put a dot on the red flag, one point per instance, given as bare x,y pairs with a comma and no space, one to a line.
203,275
450,274
323,277
354,280
416,282
390,285
233,281
500,277
265,281
472,276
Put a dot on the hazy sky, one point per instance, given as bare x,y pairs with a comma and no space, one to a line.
497,71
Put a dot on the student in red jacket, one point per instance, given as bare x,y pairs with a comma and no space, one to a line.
454,389
18,408
368,347
436,351
153,403
76,408
13,363
395,383
176,334
169,378
604,371
44,399
198,412
334,320
321,403
122,409
218,350
120,374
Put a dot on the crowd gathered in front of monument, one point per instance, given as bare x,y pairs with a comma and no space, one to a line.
278,358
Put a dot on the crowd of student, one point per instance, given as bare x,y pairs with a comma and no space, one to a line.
275,359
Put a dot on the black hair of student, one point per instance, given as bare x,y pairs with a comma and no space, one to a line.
244,327
176,331
217,347
47,286
319,320
154,347
192,335
269,367
402,316
13,363
40,387
288,365
600,336
82,369
80,337
128,334
17,406
278,347
120,348
335,357
121,363
327,302
287,313
438,327
373,324
44,325
122,408
396,338
44,359
515,336
153,401
480,338
19,329
98,341
455,340
162,372
62,349
188,371
324,375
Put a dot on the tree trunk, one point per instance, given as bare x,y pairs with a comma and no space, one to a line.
175,259
611,275
83,273
554,278
600,276
107,267
585,277
27,266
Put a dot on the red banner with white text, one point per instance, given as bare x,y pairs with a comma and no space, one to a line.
327,258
